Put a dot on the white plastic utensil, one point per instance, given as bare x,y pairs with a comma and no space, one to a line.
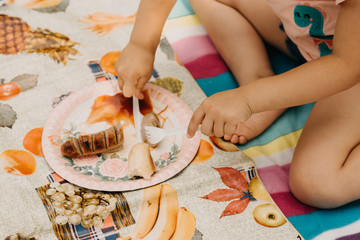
138,117
154,134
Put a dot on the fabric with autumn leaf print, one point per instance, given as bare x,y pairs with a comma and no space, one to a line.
237,193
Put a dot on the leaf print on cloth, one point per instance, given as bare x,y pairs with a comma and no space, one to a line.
104,23
238,192
7,115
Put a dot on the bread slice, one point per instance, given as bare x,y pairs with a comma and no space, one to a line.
140,162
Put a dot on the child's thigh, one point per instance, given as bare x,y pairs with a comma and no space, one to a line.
263,19
329,138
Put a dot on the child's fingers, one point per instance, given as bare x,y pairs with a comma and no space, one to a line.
120,83
229,129
207,126
129,88
219,128
227,137
195,121
139,93
234,138
139,87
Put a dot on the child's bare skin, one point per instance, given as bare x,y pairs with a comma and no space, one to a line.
245,56
324,170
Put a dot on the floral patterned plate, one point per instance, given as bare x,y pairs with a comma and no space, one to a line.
108,172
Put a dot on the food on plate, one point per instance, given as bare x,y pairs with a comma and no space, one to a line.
168,213
268,215
148,212
113,109
224,145
140,162
150,119
185,226
109,140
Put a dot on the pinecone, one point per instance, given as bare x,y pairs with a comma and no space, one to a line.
17,36
13,34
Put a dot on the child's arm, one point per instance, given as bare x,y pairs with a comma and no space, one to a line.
135,64
307,83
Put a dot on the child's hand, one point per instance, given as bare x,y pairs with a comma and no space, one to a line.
220,114
134,68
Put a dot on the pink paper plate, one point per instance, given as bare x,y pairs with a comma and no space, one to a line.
108,172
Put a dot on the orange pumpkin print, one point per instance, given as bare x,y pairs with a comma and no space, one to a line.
9,90
108,61
32,141
17,162
205,152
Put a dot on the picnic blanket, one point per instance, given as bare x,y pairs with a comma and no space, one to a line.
272,150
57,60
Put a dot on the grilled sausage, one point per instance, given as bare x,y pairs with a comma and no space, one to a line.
108,140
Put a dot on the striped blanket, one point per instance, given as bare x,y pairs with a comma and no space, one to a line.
272,150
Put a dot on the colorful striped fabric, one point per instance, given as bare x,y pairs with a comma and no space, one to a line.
272,150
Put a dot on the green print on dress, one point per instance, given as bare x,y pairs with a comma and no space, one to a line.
305,16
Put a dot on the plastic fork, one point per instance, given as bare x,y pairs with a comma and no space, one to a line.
154,134
138,117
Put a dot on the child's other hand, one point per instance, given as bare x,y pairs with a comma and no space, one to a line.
134,69
220,114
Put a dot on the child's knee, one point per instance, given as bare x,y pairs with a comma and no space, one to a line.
314,189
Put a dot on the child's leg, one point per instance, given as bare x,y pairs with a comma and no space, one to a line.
326,163
237,28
